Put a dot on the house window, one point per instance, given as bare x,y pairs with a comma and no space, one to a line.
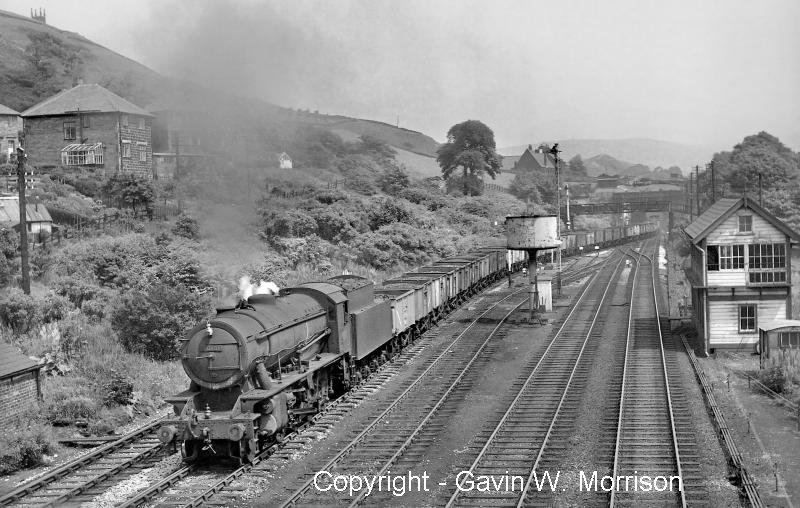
125,120
767,255
731,257
789,340
126,148
142,147
745,223
69,129
85,122
747,318
141,123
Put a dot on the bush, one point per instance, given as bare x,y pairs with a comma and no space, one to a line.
117,390
19,311
773,378
310,249
387,211
275,268
330,196
187,227
25,447
393,180
151,321
361,184
65,408
288,223
338,224
76,290
54,308
376,250
95,310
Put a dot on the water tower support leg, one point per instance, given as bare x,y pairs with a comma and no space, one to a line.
534,280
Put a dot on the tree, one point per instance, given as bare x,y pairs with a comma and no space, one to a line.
470,147
9,244
576,165
762,154
134,192
393,180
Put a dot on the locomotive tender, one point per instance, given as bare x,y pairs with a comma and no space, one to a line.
260,368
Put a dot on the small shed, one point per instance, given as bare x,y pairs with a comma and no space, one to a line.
545,287
285,161
779,342
19,383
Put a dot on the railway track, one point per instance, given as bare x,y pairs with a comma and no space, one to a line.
654,439
192,486
80,478
538,418
88,470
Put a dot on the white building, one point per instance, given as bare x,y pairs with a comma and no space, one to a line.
741,272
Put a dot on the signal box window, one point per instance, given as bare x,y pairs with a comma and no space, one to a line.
731,257
712,258
747,318
745,223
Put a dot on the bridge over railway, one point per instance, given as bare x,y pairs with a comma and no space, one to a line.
624,207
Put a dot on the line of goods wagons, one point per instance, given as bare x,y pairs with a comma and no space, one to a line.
418,298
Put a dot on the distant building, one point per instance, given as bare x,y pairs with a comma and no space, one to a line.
19,383
188,132
38,220
10,127
533,160
740,272
285,161
92,127
39,15
605,181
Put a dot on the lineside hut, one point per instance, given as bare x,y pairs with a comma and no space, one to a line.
19,383
740,272
779,343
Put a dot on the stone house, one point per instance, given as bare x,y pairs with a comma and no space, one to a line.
91,127
10,127
534,160
19,383
740,273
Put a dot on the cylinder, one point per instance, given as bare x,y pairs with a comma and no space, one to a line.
532,232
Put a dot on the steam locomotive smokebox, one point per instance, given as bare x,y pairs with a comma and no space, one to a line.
532,232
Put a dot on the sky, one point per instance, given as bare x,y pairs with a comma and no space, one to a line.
703,72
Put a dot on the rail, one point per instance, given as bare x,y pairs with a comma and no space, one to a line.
526,385
667,392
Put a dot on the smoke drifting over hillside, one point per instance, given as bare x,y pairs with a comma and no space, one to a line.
247,51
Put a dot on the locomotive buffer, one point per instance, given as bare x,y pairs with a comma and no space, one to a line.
532,233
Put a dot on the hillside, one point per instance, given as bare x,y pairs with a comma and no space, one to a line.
650,152
37,61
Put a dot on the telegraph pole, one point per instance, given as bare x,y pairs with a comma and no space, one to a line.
713,182
691,190
23,222
555,151
697,186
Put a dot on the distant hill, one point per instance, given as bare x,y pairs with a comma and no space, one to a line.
650,152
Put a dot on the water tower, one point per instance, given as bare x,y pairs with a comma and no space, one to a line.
532,233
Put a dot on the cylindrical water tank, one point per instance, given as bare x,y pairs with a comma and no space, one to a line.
532,232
